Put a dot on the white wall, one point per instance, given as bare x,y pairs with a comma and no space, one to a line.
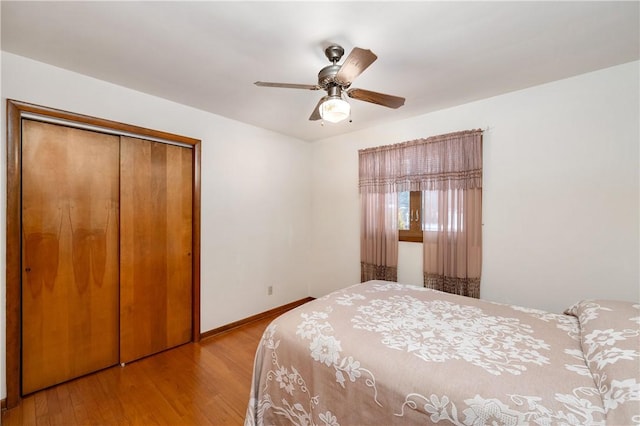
255,190
560,196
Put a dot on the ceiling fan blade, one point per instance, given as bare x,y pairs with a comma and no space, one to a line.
357,61
315,115
287,85
376,98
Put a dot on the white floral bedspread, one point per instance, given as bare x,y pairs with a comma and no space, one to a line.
383,353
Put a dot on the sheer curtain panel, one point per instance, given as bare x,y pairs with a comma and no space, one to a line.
452,212
379,215
453,241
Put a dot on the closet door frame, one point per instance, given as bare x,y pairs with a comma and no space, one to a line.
16,110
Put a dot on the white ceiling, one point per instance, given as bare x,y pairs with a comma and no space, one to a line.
435,54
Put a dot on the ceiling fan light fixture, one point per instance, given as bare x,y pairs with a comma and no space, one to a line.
336,79
335,109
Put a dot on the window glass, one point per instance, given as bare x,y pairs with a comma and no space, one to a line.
403,210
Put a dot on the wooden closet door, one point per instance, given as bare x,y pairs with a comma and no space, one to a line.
70,188
155,247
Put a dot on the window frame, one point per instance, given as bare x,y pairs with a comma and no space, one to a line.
414,233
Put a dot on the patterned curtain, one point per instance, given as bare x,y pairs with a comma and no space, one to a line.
447,169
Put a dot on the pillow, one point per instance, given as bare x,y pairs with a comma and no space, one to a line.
610,340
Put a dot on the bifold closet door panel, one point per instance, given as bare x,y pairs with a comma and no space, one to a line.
155,247
70,194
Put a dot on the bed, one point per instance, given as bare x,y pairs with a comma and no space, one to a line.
386,353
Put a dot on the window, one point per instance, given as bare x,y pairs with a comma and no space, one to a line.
418,212
410,216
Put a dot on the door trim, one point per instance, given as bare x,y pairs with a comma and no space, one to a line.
15,112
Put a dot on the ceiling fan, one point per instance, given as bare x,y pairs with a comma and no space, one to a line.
336,80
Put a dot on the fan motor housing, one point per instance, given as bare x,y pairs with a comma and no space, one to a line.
327,75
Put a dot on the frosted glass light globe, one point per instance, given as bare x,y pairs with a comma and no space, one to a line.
335,110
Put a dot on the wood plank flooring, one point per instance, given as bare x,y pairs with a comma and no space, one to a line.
205,383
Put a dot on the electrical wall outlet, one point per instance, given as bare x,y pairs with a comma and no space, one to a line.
270,290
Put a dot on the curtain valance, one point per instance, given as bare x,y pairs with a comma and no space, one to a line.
450,161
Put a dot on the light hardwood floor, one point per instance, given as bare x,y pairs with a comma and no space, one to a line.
205,383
